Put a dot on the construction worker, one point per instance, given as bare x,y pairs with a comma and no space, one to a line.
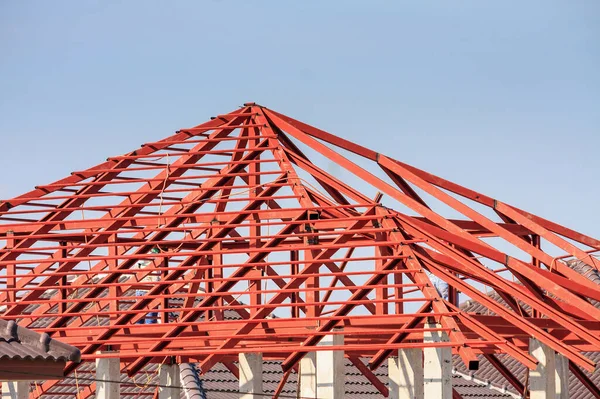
440,285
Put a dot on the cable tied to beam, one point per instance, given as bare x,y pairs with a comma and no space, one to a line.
309,184
164,186
77,384
148,377
37,389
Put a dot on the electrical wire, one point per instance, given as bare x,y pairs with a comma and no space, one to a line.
96,380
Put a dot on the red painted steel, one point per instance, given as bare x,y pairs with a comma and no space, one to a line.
234,236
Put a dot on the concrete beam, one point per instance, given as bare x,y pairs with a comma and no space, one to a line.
108,370
437,365
15,389
542,380
405,374
251,375
330,369
169,382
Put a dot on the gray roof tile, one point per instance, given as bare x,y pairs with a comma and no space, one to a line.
17,342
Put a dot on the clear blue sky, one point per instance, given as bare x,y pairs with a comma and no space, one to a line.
503,98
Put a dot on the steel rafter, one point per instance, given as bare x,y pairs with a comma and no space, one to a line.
237,235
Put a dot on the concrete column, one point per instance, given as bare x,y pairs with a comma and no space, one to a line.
308,375
437,366
562,377
108,370
251,375
405,374
550,380
542,380
330,369
15,390
169,381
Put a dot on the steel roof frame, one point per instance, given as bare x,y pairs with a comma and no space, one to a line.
235,208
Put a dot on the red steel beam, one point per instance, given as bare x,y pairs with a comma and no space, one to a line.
230,196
